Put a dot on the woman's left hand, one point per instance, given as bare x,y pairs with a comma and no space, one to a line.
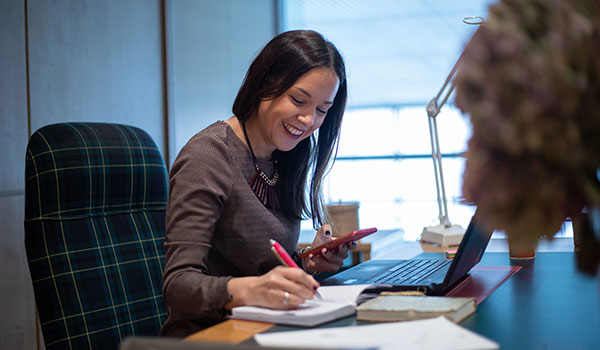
329,260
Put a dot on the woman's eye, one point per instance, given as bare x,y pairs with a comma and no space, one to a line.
320,111
296,101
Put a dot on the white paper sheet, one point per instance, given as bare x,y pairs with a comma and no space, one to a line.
434,333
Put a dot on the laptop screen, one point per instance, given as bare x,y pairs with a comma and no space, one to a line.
470,251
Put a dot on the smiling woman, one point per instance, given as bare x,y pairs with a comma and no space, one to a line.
282,122
241,182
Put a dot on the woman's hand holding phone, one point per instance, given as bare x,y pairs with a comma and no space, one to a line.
333,244
328,253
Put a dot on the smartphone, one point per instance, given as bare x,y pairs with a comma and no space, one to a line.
333,245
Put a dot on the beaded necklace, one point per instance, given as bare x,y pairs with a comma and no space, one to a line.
263,187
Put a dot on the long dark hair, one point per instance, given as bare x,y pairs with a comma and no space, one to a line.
284,60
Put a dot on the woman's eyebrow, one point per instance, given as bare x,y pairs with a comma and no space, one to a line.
309,95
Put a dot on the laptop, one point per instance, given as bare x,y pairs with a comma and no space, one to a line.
430,276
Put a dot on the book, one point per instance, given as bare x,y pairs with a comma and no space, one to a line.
336,302
433,333
387,308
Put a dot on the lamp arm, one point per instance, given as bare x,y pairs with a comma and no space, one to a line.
445,233
433,109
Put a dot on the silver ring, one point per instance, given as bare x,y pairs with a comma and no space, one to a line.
286,298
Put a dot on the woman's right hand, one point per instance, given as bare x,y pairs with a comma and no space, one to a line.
280,288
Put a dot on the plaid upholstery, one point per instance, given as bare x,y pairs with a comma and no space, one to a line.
95,199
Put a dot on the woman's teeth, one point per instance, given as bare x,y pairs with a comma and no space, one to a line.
292,130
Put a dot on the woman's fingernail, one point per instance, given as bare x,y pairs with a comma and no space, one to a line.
327,233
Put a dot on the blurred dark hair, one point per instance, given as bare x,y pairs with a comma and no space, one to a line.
284,60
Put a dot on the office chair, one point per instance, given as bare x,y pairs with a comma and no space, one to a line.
95,199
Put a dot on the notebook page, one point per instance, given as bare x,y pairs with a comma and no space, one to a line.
347,294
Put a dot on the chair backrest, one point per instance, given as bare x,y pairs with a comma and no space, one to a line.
95,199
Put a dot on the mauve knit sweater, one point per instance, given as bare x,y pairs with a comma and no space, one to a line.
216,228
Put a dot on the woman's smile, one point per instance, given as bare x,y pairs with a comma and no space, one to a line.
293,131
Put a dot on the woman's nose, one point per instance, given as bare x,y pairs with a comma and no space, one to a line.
307,118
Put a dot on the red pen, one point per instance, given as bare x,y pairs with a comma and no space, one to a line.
282,255
285,258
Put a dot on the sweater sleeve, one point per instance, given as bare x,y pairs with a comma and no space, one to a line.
200,182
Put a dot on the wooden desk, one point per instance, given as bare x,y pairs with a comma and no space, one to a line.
548,304
230,331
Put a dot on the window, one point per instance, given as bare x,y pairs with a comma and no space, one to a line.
384,161
398,54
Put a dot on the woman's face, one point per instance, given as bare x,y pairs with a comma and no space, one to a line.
288,119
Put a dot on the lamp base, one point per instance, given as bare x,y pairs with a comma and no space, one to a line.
443,235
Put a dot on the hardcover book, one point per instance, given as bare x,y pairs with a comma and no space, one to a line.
387,308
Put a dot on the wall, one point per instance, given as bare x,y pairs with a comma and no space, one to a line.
169,67
17,310
97,61
213,46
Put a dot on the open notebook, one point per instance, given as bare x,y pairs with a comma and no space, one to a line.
336,302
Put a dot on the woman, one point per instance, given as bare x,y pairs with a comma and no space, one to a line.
241,182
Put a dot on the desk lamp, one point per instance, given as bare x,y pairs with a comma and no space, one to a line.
444,234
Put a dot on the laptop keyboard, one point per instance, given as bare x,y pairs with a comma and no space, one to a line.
410,272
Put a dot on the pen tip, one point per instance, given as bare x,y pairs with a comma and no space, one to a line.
272,241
